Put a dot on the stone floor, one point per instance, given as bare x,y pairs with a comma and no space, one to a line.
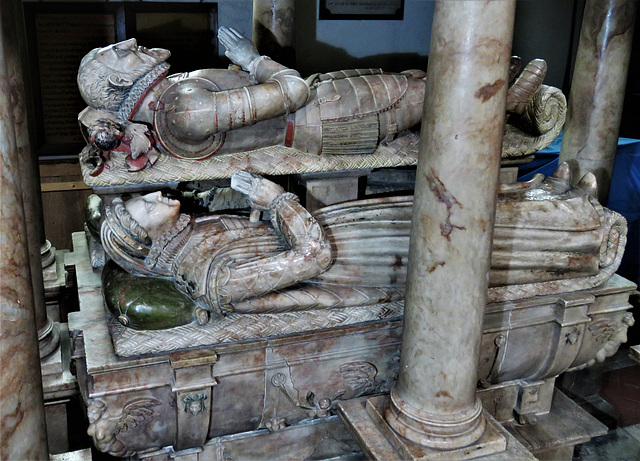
617,406
621,444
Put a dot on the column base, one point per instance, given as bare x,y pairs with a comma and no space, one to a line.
48,257
80,455
444,433
48,338
559,431
365,418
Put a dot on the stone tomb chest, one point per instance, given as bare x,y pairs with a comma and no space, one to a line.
184,386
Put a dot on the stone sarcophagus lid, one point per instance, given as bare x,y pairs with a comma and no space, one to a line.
235,381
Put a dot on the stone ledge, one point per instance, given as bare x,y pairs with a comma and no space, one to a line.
365,419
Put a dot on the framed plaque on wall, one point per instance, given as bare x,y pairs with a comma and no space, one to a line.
361,9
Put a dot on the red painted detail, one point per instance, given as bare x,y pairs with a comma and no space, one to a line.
136,164
288,139
137,106
98,169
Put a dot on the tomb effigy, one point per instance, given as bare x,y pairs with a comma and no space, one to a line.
150,128
205,326
549,238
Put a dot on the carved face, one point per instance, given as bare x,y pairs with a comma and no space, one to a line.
129,58
154,212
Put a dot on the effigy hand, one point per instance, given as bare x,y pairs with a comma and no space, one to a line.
239,48
261,191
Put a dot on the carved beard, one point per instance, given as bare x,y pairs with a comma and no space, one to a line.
143,70
117,88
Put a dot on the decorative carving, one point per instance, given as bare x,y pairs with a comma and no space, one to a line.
572,336
609,333
195,404
105,429
360,378
320,409
276,424
239,327
496,402
602,330
499,342
278,380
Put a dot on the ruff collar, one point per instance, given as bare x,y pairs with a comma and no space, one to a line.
165,239
140,89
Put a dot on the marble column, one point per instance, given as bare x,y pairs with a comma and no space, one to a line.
434,401
597,90
48,333
274,29
22,423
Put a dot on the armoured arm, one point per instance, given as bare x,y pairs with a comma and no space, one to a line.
280,90
308,256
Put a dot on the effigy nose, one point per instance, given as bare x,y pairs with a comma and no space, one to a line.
131,44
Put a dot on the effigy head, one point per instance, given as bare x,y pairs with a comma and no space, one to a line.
153,212
107,74
129,229
120,233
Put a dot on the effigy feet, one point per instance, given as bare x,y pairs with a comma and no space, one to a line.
523,88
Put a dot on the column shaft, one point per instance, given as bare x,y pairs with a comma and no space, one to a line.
29,175
22,424
274,29
434,401
597,90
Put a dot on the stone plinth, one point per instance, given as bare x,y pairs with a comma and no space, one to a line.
322,189
566,425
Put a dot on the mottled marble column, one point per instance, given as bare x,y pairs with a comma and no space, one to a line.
434,402
597,90
274,29
22,423
48,334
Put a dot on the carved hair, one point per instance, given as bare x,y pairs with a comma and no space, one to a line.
94,84
128,223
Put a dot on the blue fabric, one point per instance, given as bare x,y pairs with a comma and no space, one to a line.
544,162
624,195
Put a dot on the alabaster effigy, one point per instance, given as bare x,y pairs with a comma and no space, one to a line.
549,238
143,126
